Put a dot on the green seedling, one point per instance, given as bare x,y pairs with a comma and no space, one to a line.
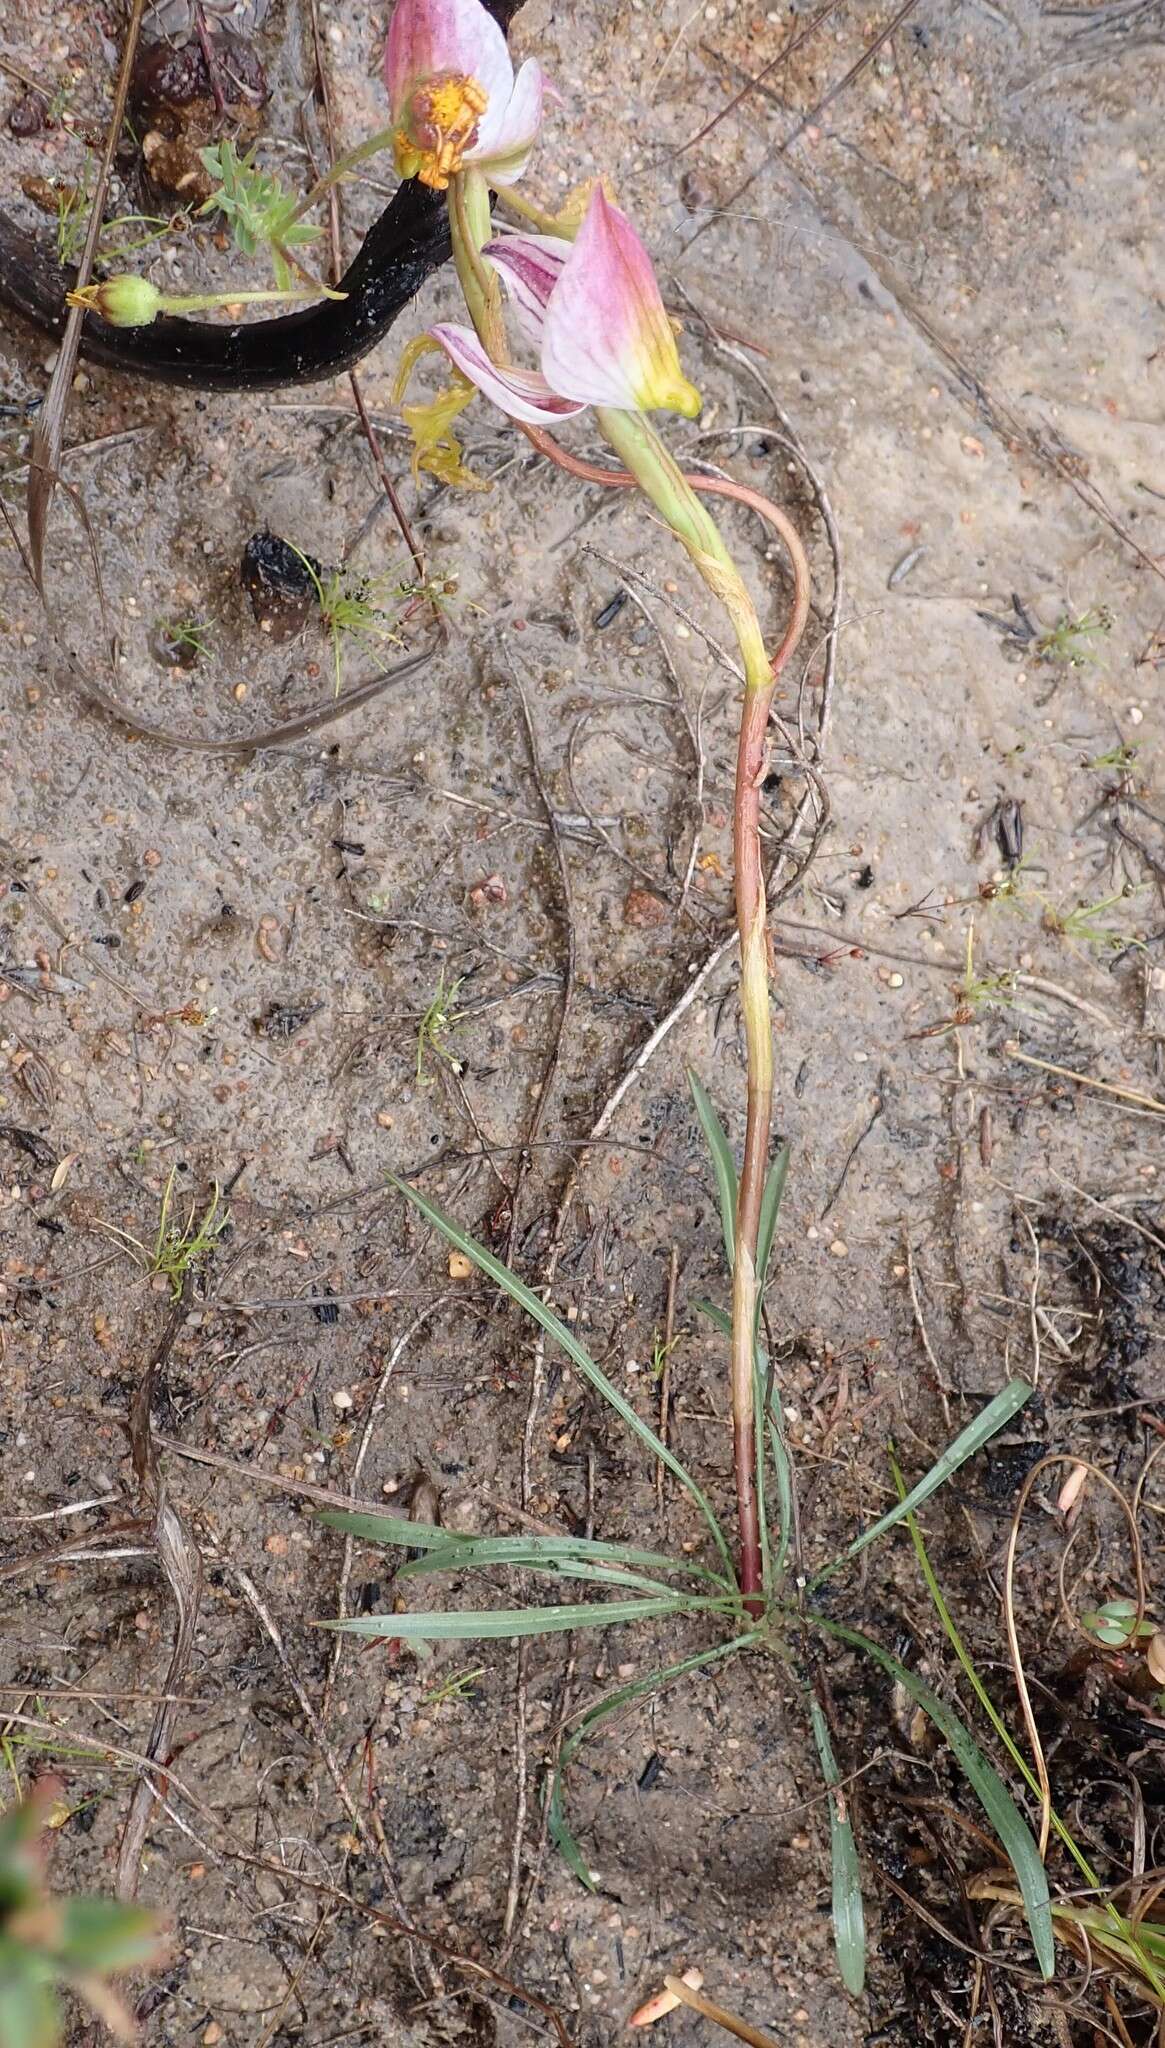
348,609
1115,1624
1071,640
433,1030
660,1353
460,1688
1121,758
188,638
1085,924
177,1249
982,991
259,213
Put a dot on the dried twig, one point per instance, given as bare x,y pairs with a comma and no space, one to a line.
374,1408
181,1563
370,1829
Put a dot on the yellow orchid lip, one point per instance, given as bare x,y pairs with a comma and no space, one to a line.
440,125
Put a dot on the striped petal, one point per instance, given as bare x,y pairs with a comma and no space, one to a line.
509,128
521,394
607,339
531,266
445,38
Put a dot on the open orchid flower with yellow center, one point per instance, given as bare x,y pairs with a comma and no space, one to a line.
593,309
455,100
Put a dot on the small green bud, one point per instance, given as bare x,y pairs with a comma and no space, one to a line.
123,301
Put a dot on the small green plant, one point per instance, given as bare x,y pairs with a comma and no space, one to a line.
1120,757
1085,924
458,1688
980,991
260,214
350,609
49,1944
178,1249
624,1583
73,205
433,1030
189,639
1071,640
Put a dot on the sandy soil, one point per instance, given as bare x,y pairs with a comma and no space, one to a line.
950,282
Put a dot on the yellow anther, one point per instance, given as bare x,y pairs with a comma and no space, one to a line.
440,126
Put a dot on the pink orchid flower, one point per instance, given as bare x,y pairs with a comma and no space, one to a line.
455,100
593,309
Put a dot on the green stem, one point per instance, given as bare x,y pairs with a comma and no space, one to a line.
638,446
372,146
469,223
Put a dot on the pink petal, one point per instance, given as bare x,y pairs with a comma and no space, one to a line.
507,132
607,339
432,38
522,394
531,266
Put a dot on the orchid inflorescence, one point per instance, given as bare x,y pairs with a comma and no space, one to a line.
588,302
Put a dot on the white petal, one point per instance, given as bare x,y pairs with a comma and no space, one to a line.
522,394
508,131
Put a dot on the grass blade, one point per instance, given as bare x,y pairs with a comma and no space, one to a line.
978,1432
640,1688
849,1915
542,1553
480,1624
390,1529
554,1326
769,1210
723,1164
1004,1815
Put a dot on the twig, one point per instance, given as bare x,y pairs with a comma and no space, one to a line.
181,1564
374,1407
370,1830
920,1326
1029,1059
44,453
787,49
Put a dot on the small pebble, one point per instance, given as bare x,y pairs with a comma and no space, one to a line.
895,980
839,1248
341,1399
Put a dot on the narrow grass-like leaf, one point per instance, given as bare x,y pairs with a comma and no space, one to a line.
769,1210
849,1917
391,1529
985,1781
723,1164
478,1624
640,1688
549,1568
554,1326
978,1432
541,1553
